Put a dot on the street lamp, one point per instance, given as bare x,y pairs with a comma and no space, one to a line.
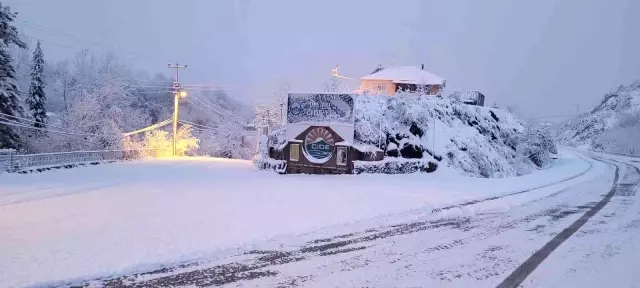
179,93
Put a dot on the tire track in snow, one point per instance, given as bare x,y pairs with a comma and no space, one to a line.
258,266
516,278
476,201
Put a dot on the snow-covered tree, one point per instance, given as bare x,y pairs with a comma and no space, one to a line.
227,141
537,145
100,105
271,112
37,98
60,85
161,142
334,85
9,94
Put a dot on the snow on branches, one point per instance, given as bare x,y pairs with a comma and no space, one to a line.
36,99
9,94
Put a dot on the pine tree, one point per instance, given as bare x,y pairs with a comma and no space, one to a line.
9,95
37,98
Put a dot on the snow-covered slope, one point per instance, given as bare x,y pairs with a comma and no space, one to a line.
473,140
613,125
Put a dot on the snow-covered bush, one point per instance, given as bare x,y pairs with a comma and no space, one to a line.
227,141
263,161
394,166
537,145
625,138
476,141
162,143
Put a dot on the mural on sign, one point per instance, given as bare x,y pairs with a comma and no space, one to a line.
323,108
318,145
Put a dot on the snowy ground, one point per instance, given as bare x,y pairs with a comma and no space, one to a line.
216,222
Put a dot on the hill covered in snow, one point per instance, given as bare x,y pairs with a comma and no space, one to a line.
473,140
612,126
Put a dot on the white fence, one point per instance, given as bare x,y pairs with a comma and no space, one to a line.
11,162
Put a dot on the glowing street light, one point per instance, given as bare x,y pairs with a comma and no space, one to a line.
182,93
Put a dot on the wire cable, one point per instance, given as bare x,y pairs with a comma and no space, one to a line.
85,41
194,105
197,125
149,128
223,113
47,130
6,117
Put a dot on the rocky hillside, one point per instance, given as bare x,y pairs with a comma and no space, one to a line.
612,126
476,141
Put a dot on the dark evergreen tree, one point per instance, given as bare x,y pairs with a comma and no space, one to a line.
36,98
9,95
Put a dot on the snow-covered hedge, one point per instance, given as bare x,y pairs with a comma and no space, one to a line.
263,161
394,166
267,163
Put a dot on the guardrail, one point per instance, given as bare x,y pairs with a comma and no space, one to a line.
10,162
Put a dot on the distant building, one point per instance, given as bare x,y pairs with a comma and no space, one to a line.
471,97
388,81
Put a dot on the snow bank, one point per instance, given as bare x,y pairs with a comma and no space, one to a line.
612,126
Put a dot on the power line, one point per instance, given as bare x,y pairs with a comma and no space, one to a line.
82,40
149,86
194,105
204,89
211,107
7,116
203,85
154,92
47,130
149,128
197,125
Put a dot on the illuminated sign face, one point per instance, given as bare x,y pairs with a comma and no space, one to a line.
318,145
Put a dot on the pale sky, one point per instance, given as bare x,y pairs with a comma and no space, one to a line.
546,56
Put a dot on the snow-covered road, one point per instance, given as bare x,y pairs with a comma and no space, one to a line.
219,222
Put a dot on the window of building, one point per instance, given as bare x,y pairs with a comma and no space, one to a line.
294,152
342,156
381,88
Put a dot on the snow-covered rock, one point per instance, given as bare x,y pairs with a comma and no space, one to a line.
476,141
612,126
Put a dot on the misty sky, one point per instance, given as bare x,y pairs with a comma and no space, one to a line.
546,56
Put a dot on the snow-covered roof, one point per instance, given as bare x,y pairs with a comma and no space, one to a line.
406,75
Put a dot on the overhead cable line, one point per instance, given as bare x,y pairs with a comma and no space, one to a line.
47,130
149,128
197,125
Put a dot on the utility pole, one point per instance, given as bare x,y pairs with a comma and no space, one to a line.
177,93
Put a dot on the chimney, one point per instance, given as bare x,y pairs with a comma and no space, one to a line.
422,66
